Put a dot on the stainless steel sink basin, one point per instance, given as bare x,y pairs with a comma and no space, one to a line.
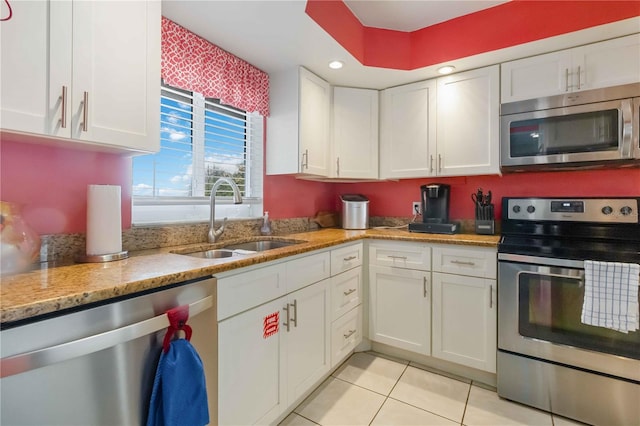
238,248
260,245
211,254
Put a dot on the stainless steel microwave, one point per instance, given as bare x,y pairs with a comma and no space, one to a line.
590,129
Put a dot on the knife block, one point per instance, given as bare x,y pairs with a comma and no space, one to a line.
485,227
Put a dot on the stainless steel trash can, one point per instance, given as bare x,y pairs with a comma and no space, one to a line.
355,211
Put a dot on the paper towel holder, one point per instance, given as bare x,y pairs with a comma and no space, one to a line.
97,258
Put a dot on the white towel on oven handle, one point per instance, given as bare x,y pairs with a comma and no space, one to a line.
611,295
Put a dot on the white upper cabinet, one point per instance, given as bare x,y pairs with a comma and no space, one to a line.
355,133
608,63
72,76
298,127
468,114
408,130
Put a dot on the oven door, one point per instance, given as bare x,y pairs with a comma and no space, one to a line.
539,310
568,136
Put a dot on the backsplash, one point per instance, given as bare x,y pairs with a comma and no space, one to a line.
66,247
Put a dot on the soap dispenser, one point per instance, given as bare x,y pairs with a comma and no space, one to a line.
266,225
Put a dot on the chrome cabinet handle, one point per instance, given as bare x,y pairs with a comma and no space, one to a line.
491,296
579,70
348,292
294,320
47,356
349,334
305,160
85,112
424,285
461,262
287,324
337,166
347,259
63,106
431,164
439,163
397,257
566,79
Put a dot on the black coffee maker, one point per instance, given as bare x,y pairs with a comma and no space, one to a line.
435,210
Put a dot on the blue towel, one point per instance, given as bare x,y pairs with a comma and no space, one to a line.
179,395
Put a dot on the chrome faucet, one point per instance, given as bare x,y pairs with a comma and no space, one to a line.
237,199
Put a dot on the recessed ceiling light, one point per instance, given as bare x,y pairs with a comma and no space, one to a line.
447,69
335,65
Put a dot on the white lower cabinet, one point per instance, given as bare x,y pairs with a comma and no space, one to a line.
400,308
435,299
464,320
272,354
250,366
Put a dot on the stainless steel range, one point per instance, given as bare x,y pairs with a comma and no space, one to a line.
547,357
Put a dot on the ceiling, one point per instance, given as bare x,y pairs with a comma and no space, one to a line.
277,35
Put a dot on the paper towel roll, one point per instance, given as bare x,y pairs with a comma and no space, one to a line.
104,220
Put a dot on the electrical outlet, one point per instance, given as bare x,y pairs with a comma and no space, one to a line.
415,208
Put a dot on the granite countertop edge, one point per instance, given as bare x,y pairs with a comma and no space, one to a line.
52,290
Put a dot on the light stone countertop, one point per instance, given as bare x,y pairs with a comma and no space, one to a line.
48,290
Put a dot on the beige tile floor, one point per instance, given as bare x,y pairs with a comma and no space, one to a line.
369,389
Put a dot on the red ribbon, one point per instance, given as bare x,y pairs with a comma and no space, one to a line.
177,321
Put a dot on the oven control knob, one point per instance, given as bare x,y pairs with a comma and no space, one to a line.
516,209
607,210
531,209
626,210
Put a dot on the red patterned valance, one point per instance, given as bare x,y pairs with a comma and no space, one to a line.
192,63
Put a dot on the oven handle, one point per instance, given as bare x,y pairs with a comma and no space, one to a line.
579,277
545,261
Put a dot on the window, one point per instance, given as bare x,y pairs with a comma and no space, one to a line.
201,141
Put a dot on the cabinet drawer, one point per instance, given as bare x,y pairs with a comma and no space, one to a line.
346,258
346,334
346,290
307,270
243,291
400,255
472,261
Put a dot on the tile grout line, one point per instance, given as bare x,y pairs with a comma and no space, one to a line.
466,404
388,395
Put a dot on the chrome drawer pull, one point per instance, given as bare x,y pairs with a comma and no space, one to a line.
398,257
294,320
347,259
85,112
348,292
461,262
349,334
424,285
287,324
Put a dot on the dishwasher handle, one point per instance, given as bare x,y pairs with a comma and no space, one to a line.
21,363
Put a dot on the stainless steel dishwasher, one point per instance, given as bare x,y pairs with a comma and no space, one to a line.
96,366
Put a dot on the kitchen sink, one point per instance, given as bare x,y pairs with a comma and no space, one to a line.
260,245
211,254
239,248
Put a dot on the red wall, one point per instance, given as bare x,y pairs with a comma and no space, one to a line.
50,183
394,198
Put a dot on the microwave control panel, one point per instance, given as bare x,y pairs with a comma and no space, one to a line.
605,210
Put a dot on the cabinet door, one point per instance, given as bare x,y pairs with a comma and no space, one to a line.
30,101
116,74
609,63
251,366
400,308
468,123
307,340
408,130
355,133
315,98
538,76
465,320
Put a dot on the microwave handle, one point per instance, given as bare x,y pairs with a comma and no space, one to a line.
626,143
